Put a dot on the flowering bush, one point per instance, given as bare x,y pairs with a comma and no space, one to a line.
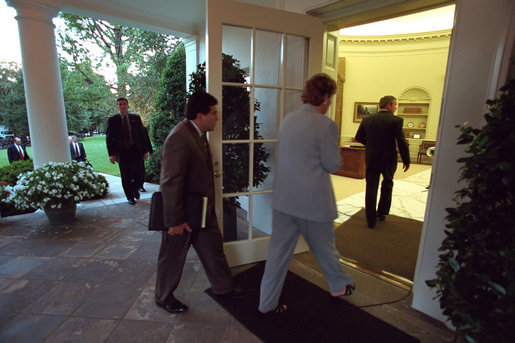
54,183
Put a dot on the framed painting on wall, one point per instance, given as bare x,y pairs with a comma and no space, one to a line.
363,109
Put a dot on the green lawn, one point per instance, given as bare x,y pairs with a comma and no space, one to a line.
96,152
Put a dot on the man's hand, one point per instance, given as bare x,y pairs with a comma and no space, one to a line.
179,229
145,155
405,167
112,159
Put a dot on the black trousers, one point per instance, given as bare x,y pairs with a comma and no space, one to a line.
385,199
208,244
129,163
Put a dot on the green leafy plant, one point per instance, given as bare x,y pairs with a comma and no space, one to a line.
168,108
475,279
236,125
12,172
54,183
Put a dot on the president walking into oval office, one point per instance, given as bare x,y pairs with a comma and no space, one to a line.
381,133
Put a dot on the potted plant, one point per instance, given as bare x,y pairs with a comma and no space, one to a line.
57,188
475,280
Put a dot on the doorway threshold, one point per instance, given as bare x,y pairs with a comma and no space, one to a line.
383,275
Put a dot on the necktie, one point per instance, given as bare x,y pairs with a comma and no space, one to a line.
77,154
20,152
126,133
206,146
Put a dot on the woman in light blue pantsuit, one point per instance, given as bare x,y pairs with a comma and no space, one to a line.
303,198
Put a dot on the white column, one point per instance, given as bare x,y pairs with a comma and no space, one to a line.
42,79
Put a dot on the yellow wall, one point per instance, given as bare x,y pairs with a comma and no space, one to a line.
388,65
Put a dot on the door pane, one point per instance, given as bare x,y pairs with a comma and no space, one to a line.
292,101
235,113
235,218
267,112
262,215
236,43
295,66
264,158
235,167
268,58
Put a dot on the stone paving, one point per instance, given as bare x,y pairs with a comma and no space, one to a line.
93,281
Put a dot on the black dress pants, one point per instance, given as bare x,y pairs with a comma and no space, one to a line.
385,199
129,163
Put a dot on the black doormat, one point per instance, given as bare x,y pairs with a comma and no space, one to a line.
312,314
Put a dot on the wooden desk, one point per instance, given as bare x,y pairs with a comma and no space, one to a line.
353,162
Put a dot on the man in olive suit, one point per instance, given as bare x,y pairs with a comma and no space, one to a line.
381,133
187,176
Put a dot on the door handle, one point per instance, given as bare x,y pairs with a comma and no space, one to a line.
217,173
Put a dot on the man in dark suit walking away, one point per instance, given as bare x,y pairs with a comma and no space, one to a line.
126,145
16,151
187,176
380,133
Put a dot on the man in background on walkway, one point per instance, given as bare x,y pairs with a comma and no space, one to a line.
126,145
77,151
381,133
16,151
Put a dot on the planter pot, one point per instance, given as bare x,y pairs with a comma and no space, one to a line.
7,211
63,215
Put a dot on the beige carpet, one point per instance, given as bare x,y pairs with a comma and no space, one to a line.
392,246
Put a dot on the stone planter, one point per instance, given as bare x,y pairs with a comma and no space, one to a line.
63,215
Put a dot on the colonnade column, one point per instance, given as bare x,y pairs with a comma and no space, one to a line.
42,80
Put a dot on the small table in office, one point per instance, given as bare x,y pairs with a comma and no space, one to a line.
353,162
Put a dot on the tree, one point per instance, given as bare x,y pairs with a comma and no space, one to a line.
13,110
138,56
87,98
168,107
235,125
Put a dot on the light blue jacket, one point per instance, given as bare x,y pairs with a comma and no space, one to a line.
308,151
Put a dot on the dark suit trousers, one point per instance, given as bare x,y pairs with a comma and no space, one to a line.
129,163
208,244
140,176
385,199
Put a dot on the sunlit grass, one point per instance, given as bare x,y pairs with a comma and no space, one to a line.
96,153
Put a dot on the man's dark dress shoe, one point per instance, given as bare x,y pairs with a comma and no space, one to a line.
174,307
136,194
371,225
131,201
142,189
381,217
